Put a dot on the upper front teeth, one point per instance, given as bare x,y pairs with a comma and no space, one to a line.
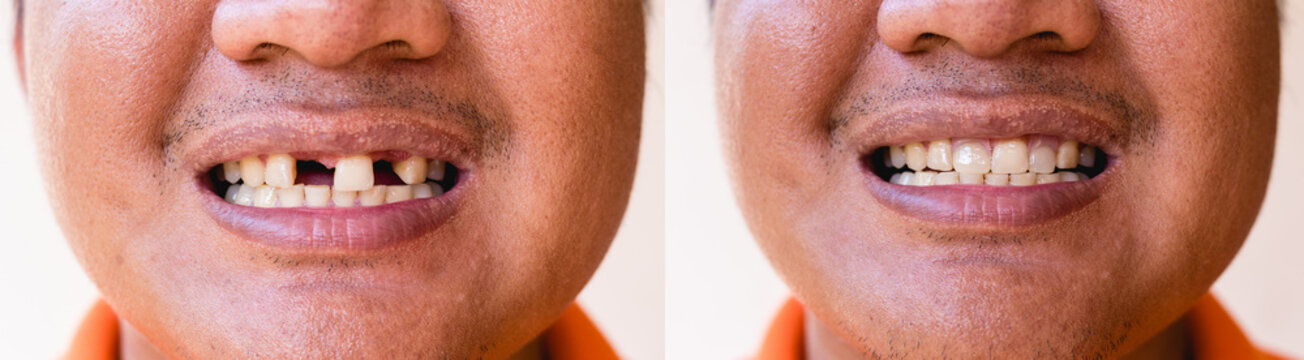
272,182
1024,160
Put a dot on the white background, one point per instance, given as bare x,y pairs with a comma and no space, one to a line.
44,294
721,293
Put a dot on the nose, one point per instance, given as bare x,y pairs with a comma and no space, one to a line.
988,28
330,33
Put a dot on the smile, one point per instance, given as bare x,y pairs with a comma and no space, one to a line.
1018,161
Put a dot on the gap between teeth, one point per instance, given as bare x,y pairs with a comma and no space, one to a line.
272,183
1019,161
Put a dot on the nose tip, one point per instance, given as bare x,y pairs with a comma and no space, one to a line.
989,28
331,33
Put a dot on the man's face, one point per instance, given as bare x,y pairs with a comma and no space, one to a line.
1179,98
533,107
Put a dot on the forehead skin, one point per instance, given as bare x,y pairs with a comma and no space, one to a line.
122,93
1193,91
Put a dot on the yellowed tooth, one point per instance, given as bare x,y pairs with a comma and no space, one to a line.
435,171
245,196
265,196
1068,176
1087,156
1047,178
946,178
924,178
907,178
896,156
231,171
396,193
412,170
251,170
343,198
280,170
290,197
353,173
317,195
1009,156
1067,157
1024,179
1041,159
971,156
916,156
970,179
231,191
373,196
422,191
997,179
939,155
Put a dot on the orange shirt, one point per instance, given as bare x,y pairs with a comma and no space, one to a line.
1213,334
573,336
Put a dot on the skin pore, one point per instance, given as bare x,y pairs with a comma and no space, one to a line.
1185,97
127,97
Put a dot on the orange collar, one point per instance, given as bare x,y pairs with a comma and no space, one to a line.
1213,333
573,336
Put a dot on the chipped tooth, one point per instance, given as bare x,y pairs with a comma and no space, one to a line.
1009,156
435,171
1041,157
939,155
412,170
1067,157
1087,156
373,196
907,178
946,178
343,198
245,196
924,178
1068,176
916,156
265,196
231,171
251,170
354,173
1024,179
971,156
997,179
290,197
896,156
1047,178
317,195
971,179
422,191
396,193
280,170
231,191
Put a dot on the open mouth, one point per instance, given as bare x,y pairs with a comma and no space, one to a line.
1017,161
325,181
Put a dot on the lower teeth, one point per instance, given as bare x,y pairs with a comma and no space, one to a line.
930,178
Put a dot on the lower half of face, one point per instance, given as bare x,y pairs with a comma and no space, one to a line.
448,207
933,205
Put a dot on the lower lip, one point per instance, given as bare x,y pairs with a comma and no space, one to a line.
335,229
987,205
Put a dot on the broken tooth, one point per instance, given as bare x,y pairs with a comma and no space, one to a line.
997,179
939,155
971,156
343,198
231,171
1009,156
251,170
946,178
435,171
896,156
280,171
265,196
1024,179
916,156
396,193
412,170
373,196
354,173
245,196
1067,157
290,196
317,195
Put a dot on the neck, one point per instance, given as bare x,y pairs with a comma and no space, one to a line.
822,343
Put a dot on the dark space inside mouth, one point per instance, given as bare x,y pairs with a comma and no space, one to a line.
314,173
877,161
